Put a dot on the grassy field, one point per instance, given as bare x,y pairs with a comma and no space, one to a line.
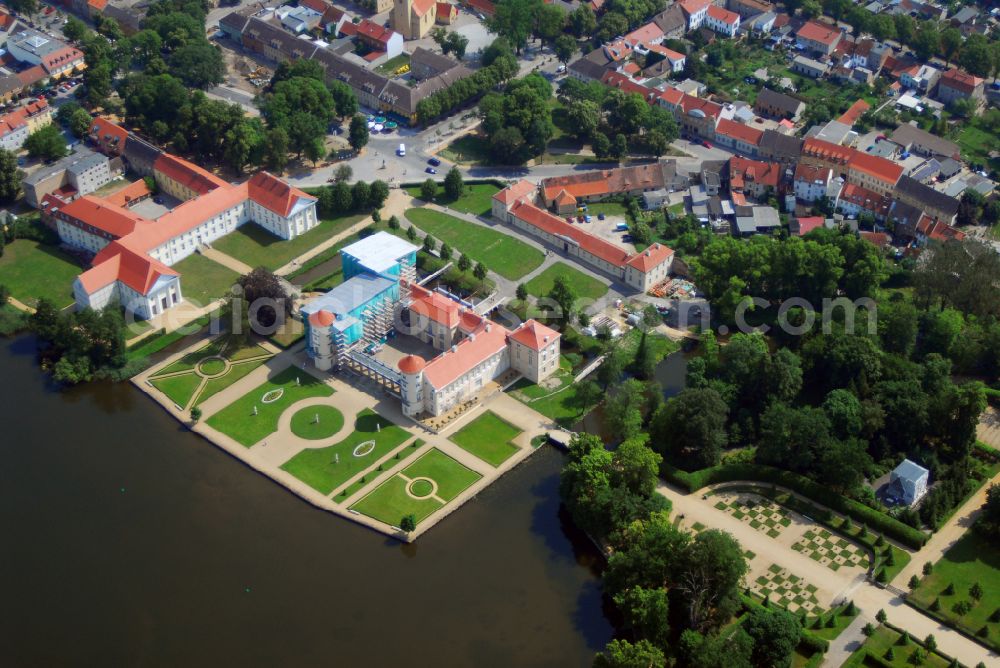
238,421
33,271
976,143
390,503
501,253
489,438
390,66
316,422
467,150
179,389
586,286
879,644
257,247
557,400
189,361
972,559
477,198
203,280
325,469
235,373
451,476
607,208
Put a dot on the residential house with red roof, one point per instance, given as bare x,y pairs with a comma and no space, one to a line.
641,37
446,13
874,173
956,84
676,60
738,137
109,137
818,37
696,11
855,200
379,39
811,182
757,179
16,125
722,21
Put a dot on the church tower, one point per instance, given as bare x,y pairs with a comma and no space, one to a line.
402,12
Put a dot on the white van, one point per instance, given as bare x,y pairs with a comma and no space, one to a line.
402,149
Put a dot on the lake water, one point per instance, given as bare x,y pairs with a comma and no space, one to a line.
128,540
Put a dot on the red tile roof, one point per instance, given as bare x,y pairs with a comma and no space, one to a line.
739,131
187,173
519,190
421,7
937,231
811,173
865,199
554,225
650,258
880,239
434,306
808,224
643,34
129,194
117,262
818,32
411,363
960,80
724,15
669,54
104,131
851,116
764,173
61,58
689,103
827,151
884,170
694,6
274,194
622,82
487,7
374,32
101,215
450,365
534,334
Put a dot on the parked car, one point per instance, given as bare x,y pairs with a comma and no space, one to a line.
600,216
707,144
434,162
431,170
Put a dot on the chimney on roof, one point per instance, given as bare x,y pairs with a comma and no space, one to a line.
454,349
488,327
545,338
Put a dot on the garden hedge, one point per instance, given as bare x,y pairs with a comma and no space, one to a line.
873,519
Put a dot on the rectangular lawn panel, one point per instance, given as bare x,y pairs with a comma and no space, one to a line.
390,503
179,389
477,198
259,248
451,476
189,361
203,279
489,438
507,256
585,286
325,469
238,421
33,271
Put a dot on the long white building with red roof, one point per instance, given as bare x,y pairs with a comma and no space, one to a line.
133,254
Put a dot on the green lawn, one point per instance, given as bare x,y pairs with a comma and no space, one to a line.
203,280
467,150
305,424
179,389
976,143
401,456
585,286
557,400
477,198
972,559
235,373
325,469
878,644
33,271
257,247
390,503
189,361
451,476
607,208
390,66
489,438
501,253
238,421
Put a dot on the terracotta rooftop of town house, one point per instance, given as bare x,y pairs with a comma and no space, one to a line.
32,75
116,262
669,54
434,306
374,31
808,224
624,83
545,221
651,257
960,80
187,173
19,117
61,58
129,194
818,32
519,190
631,68
322,318
939,231
884,170
487,7
421,7
534,335
102,130
694,6
724,15
854,112
880,239
804,172
671,96
466,355
102,215
605,181
645,33
564,198
829,151
765,173
739,131
409,364
691,103
865,199
274,194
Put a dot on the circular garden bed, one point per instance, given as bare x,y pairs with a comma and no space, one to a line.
315,422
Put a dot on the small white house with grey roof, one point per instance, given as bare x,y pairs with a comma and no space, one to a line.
910,481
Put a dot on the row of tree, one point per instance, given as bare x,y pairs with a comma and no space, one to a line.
499,65
342,198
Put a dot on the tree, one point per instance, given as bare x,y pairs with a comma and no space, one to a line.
690,429
914,582
343,173
775,633
46,143
976,591
408,523
429,243
393,222
564,296
513,20
880,616
75,29
930,642
10,176
464,263
195,414
623,654
378,193
428,190
79,122
358,132
645,611
564,47
276,150
480,272
709,575
951,40
624,409
582,21
411,233
263,300
522,292
444,252
199,64
454,186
